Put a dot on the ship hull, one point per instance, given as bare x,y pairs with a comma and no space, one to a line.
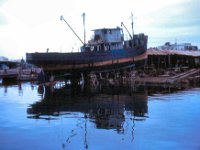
88,61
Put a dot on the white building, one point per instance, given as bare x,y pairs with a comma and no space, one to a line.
177,46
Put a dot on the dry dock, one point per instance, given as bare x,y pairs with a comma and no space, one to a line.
163,67
184,77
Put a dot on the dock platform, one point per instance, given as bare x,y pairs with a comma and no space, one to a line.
169,79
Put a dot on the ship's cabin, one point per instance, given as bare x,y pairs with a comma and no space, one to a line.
105,39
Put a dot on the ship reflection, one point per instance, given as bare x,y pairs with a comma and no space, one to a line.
107,108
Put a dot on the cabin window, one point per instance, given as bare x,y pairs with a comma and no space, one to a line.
102,47
122,38
130,43
98,48
87,48
92,48
97,37
195,48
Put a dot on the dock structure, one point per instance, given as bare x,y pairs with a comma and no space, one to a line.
173,58
191,74
161,67
9,74
164,67
18,74
5,70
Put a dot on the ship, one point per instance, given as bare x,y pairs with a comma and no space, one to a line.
106,50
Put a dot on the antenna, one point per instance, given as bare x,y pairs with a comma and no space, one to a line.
62,18
132,23
83,15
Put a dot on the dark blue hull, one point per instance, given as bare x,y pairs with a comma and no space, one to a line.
83,61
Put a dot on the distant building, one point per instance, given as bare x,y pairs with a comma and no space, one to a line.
177,46
2,58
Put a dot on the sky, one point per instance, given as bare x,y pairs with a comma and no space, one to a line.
34,25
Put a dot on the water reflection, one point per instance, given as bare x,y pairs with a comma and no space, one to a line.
6,85
106,109
110,109
99,117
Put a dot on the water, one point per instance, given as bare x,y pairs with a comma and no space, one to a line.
37,118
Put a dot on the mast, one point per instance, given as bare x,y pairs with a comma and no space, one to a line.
84,28
62,18
132,24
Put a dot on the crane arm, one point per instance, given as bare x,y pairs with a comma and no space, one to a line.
62,18
122,24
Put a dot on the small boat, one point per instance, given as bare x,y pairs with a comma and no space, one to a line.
107,50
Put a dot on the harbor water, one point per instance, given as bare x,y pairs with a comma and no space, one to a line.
38,118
